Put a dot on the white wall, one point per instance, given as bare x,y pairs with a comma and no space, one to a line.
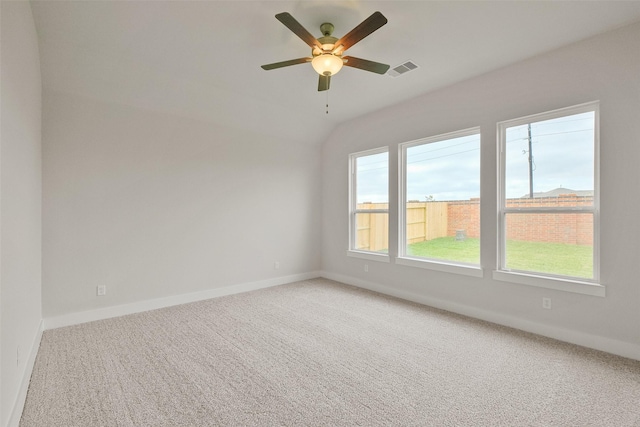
154,205
20,213
605,68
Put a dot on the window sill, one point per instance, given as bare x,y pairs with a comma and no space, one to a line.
567,285
371,256
467,270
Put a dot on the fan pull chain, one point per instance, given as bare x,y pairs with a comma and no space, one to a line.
327,101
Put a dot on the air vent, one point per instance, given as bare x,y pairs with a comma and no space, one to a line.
403,68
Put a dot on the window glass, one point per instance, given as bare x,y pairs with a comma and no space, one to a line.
372,232
370,201
549,158
442,198
548,213
554,243
372,178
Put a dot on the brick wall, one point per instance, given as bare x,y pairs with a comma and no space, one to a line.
572,228
464,215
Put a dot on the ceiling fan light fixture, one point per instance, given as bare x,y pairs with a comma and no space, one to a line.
327,64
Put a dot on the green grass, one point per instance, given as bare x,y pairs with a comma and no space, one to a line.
447,248
552,258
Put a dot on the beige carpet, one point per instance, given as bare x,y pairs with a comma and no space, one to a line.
318,353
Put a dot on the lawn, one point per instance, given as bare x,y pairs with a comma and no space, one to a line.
553,258
448,248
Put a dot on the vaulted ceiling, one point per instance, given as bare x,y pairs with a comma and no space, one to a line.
202,59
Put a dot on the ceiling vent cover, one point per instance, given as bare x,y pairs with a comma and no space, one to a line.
403,68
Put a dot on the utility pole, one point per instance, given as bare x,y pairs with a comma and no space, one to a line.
530,164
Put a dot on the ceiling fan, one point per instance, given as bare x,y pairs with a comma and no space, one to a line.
326,51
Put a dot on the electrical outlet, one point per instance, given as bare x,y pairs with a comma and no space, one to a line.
546,303
101,290
276,265
366,268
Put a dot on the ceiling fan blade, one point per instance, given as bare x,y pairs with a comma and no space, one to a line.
364,64
323,83
366,27
291,23
285,63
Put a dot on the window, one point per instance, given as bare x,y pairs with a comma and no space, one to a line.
369,203
440,202
548,202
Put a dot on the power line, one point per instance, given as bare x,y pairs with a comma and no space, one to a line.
421,161
441,148
446,155
550,134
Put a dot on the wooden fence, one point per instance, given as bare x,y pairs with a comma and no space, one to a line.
425,221
373,228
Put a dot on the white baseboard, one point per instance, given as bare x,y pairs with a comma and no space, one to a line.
620,348
141,306
18,406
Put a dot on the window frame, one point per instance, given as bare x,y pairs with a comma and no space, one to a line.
448,266
353,206
547,280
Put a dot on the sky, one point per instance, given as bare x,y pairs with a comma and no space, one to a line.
444,170
563,156
372,178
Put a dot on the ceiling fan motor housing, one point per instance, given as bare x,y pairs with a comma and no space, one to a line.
327,40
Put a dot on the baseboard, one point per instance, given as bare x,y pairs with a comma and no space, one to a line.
620,348
18,406
141,306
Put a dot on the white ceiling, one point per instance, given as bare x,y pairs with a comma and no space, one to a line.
202,59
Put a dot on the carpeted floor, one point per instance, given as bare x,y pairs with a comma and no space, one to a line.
319,353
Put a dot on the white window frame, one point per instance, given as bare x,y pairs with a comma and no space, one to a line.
545,280
353,207
446,266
